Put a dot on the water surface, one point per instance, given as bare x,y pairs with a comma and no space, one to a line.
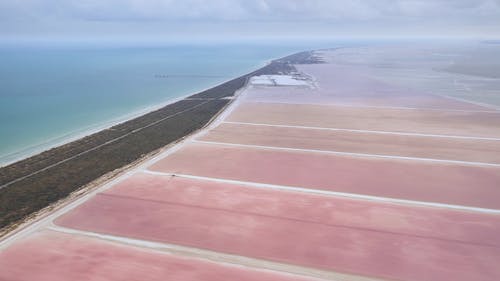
51,94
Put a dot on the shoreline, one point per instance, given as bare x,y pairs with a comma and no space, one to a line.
31,222
79,134
41,181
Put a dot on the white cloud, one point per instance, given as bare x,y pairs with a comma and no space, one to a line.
356,15
234,10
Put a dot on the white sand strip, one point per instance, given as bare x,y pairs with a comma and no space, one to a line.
333,193
365,131
352,154
380,106
217,257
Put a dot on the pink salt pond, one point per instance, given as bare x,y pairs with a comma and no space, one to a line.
308,230
454,184
52,256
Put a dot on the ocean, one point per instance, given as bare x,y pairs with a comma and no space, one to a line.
50,95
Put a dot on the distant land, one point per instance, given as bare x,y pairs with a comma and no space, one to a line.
491,41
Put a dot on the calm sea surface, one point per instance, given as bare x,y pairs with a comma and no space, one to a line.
49,95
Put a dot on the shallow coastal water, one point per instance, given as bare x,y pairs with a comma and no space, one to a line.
52,94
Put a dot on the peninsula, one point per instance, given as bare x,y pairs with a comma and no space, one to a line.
37,182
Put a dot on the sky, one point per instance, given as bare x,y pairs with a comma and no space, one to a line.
247,19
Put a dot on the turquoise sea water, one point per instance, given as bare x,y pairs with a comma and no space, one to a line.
51,94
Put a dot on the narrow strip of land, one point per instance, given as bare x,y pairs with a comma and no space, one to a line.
105,143
467,163
364,131
36,182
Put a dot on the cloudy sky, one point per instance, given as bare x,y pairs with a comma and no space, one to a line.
216,19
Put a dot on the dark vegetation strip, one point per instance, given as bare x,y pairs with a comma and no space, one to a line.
107,142
32,184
